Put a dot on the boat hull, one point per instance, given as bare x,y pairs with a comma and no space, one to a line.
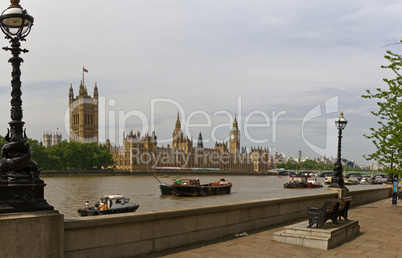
200,190
295,185
94,212
314,186
351,182
165,189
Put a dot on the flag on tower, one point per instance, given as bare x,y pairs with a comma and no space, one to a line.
83,71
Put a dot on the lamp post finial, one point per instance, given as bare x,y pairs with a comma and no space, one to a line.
15,2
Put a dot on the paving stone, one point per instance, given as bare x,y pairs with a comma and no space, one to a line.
380,234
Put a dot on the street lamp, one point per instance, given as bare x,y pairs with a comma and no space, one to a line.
21,189
337,179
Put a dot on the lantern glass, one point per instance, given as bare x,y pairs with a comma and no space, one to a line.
16,22
341,122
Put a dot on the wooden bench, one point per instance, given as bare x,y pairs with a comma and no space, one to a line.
331,209
344,207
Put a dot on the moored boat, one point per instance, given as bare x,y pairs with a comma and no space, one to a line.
312,182
328,180
110,204
296,182
350,181
367,180
192,187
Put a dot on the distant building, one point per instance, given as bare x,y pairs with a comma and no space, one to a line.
83,112
141,153
325,160
200,142
47,139
50,139
376,167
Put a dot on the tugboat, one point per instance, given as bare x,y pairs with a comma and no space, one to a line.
109,204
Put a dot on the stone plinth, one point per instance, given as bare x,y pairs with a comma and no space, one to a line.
331,236
342,192
32,234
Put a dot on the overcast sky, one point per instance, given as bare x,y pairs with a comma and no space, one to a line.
286,69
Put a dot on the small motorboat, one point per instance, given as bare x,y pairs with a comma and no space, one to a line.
109,204
350,181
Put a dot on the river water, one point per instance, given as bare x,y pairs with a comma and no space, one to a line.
67,194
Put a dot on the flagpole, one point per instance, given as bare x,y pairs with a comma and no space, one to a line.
83,82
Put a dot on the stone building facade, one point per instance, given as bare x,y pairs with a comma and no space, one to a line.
141,153
50,139
83,110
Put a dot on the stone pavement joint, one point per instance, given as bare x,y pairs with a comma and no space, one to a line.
380,236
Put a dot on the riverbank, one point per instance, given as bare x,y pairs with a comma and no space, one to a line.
107,172
127,235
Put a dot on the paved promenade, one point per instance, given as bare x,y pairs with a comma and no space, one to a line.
380,236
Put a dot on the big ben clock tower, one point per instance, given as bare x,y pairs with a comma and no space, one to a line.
234,139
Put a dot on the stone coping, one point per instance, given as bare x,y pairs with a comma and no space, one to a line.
29,214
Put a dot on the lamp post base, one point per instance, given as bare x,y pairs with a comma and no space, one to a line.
337,182
342,192
20,194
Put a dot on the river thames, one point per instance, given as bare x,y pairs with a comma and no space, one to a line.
67,194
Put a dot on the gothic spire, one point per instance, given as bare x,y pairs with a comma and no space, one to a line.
178,124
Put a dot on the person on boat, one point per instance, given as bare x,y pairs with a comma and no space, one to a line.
97,206
223,182
86,205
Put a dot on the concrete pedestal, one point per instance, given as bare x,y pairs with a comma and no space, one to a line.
32,234
342,192
331,236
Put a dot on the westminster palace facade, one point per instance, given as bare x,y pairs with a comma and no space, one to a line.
141,153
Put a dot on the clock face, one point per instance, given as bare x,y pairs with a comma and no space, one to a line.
232,137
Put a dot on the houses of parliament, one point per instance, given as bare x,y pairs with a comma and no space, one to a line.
141,152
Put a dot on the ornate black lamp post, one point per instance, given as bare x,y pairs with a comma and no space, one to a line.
21,189
337,179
